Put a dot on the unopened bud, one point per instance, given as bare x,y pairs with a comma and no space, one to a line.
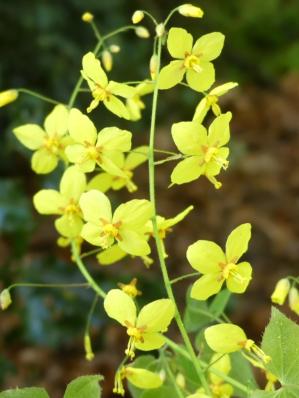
107,60
189,10
137,16
5,299
180,380
160,29
8,96
87,17
281,291
142,32
294,300
114,48
89,355
153,66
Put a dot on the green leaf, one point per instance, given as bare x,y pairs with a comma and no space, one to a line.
242,371
289,392
84,387
281,342
32,392
220,302
196,314
162,392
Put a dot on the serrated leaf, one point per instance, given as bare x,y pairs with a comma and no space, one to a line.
285,392
219,303
242,371
281,342
162,392
84,387
32,392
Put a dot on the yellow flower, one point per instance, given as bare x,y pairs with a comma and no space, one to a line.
134,104
64,202
188,10
49,144
281,291
104,90
8,96
5,299
137,16
130,288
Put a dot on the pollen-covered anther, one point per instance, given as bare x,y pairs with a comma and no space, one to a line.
52,144
192,62
72,208
229,270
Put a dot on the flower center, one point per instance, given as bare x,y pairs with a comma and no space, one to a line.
192,62
110,230
52,144
228,270
100,94
136,333
72,208
210,153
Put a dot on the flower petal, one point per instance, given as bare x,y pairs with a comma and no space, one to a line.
205,256
238,281
237,242
56,122
49,201
189,137
114,139
143,378
30,135
209,46
92,69
81,128
156,316
187,170
116,106
223,88
225,338
121,307
152,341
201,81
102,182
219,133
72,183
43,161
121,89
201,110
179,42
171,75
95,206
136,157
92,234
69,225
111,255
133,243
206,286
79,155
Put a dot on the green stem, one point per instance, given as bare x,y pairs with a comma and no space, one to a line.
48,285
85,273
90,313
169,159
176,348
171,375
120,30
151,166
170,15
37,95
91,252
181,278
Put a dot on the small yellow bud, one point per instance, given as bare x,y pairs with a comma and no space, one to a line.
153,66
5,299
281,291
142,32
131,288
137,16
114,48
189,10
107,60
89,355
87,17
180,380
160,29
8,96
294,300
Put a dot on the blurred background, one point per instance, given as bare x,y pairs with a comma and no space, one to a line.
41,46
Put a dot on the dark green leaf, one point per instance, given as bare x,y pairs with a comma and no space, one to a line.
32,392
219,303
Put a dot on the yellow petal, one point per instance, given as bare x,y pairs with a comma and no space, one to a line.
111,255
121,89
80,155
209,46
156,316
189,137
143,378
206,286
152,341
121,307
81,128
69,225
30,135
171,75
116,106
43,161
95,206
179,42
72,183
201,81
102,182
92,70
49,201
56,122
133,243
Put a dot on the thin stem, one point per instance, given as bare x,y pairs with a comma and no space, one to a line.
90,313
151,166
91,252
165,152
120,30
176,348
37,95
170,15
171,375
85,273
96,31
150,17
182,277
169,159
48,285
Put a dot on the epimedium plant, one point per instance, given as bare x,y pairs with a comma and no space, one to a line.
215,358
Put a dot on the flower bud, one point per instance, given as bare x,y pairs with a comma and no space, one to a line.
160,29
89,355
8,96
114,48
5,299
107,60
87,17
281,291
294,300
180,380
131,288
137,16
153,66
142,32
189,10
